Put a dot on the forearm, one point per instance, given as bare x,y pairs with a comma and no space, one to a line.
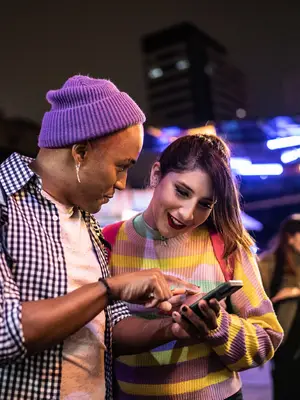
136,335
48,322
251,335
245,343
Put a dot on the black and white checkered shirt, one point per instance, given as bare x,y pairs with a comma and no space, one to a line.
32,267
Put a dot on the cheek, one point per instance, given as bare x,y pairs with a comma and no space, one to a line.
99,183
164,203
107,178
201,216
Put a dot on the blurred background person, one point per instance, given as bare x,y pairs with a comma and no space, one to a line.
280,270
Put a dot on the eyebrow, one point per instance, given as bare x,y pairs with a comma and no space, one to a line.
191,190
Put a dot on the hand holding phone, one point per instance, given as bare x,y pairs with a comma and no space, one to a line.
197,320
219,293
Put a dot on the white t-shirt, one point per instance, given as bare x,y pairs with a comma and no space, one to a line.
83,353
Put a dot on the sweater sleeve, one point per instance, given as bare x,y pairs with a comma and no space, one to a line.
249,337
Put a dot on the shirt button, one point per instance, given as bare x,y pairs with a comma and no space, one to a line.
55,218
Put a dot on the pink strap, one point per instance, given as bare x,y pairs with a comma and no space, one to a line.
110,234
218,246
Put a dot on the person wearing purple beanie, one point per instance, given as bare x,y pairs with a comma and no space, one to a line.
61,313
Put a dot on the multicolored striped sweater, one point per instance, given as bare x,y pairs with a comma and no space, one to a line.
189,369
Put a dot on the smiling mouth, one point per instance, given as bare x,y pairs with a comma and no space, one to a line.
108,196
174,223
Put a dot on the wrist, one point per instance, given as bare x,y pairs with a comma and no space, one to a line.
108,289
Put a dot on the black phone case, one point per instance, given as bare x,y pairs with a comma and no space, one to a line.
219,293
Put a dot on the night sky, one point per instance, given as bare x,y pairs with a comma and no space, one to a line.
44,42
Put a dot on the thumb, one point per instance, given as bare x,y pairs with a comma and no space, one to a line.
164,305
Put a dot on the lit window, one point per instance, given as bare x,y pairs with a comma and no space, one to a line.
209,69
181,65
241,113
155,73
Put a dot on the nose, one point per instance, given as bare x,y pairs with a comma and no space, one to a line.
186,212
121,183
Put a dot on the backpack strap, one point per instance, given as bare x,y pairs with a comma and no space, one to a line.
226,267
218,246
110,233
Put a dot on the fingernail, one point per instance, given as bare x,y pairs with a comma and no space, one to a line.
184,309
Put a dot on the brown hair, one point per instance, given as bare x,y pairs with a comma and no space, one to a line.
210,154
284,261
280,246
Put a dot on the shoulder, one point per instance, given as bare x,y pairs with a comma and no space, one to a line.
267,258
116,231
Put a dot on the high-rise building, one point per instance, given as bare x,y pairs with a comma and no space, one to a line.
291,93
189,79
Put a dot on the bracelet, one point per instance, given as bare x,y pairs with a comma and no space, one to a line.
110,296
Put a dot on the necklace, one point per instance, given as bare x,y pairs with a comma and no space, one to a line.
147,231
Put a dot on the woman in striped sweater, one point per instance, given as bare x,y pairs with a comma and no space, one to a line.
194,197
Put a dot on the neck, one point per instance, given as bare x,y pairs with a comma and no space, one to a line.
53,178
148,217
144,230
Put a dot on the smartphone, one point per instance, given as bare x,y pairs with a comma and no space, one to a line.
219,293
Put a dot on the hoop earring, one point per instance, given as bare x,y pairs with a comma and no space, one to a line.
77,167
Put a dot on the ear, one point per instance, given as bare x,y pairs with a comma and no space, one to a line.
290,239
80,151
155,175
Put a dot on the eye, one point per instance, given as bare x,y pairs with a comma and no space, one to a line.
205,205
181,192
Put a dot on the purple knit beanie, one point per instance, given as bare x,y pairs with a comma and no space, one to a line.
86,108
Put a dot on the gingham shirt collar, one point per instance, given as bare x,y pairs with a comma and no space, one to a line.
18,167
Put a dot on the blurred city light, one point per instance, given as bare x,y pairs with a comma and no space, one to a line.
261,170
282,142
290,155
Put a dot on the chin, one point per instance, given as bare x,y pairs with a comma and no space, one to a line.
93,208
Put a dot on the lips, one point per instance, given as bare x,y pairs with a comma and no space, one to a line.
106,198
174,223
